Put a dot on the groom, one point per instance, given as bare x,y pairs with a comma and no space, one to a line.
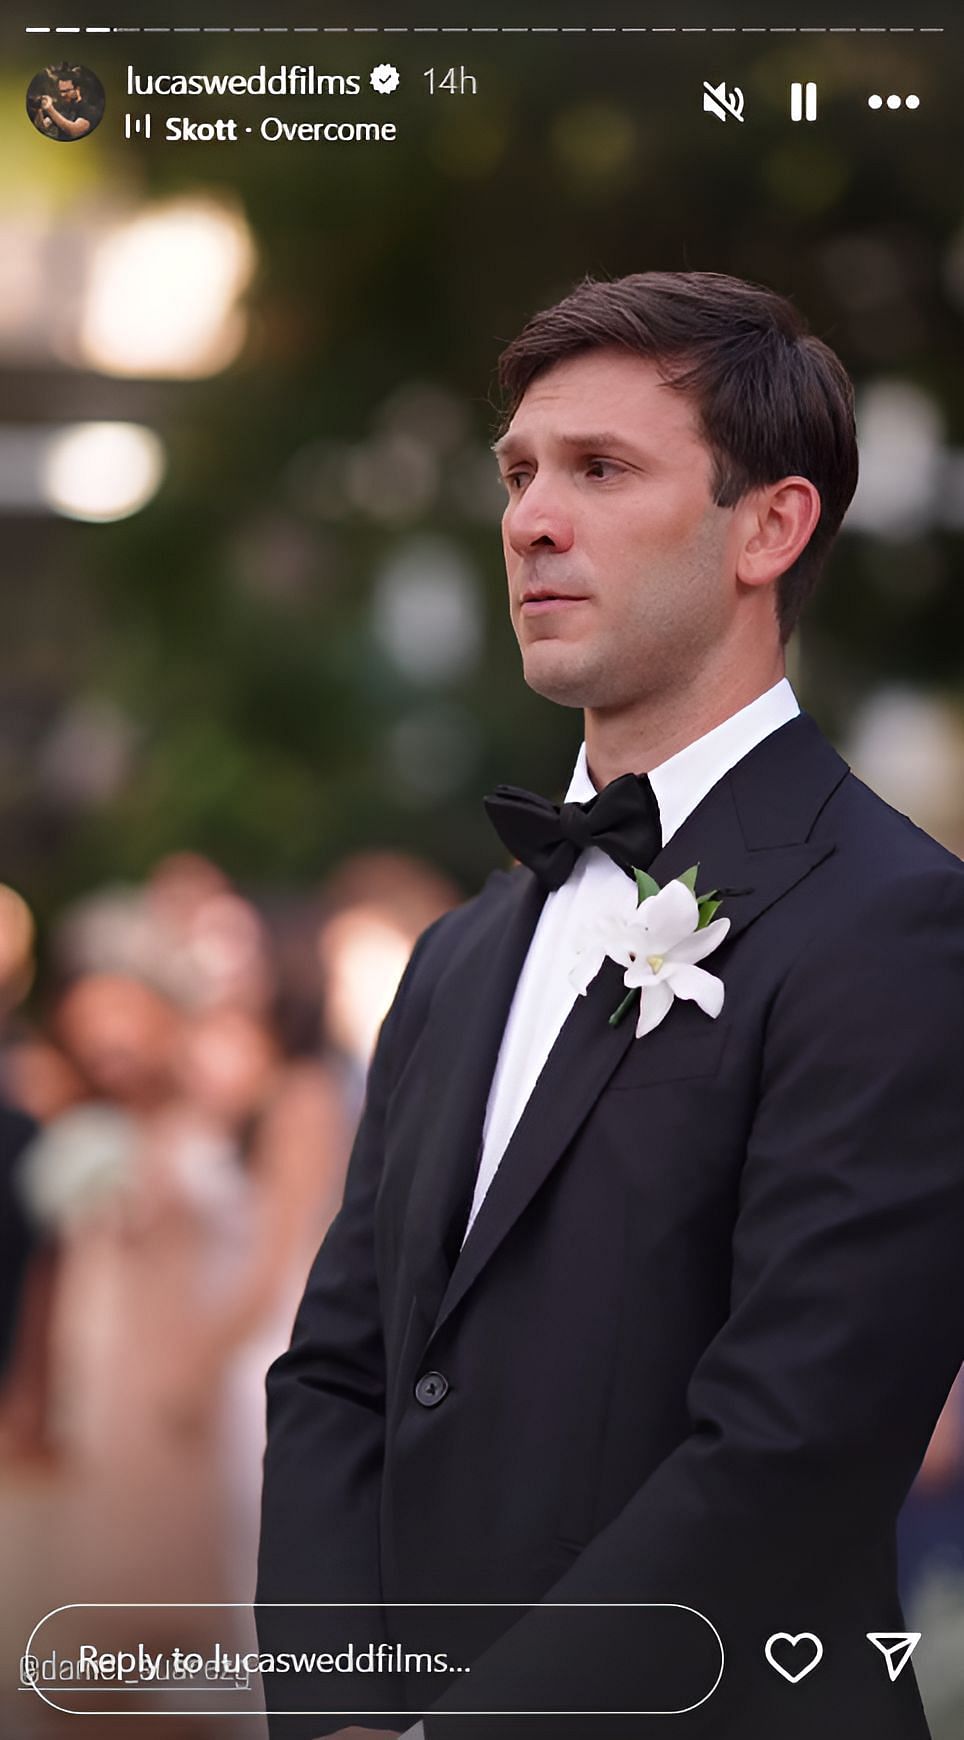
616,1327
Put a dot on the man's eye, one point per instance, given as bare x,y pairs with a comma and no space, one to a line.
602,467
514,480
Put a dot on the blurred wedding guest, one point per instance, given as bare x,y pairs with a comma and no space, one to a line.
338,971
28,1280
39,1077
278,1127
120,1033
140,1225
186,931
373,908
931,1530
930,1540
17,1238
16,976
17,1265
25,1263
188,1195
215,937
17,944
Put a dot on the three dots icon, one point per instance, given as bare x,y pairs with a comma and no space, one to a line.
893,102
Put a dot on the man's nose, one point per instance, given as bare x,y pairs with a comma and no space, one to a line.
538,517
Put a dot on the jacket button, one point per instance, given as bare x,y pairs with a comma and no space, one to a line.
431,1388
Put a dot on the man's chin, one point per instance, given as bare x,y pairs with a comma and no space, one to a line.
557,686
556,680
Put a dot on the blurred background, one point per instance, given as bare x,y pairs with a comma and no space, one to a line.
256,670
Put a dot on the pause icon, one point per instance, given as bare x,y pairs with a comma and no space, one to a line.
803,102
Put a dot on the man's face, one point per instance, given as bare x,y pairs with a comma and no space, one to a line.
610,514
67,91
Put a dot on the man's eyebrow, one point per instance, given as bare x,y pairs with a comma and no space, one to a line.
607,438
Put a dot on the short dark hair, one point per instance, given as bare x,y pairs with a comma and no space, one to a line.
773,400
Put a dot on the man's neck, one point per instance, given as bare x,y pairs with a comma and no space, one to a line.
636,739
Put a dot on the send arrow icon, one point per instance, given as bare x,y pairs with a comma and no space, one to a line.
896,1647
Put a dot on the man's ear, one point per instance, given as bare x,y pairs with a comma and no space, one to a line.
777,524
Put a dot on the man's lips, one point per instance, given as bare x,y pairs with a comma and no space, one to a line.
541,598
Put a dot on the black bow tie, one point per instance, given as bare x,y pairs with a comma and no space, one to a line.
622,820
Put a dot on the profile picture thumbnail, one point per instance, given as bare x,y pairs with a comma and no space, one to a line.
65,102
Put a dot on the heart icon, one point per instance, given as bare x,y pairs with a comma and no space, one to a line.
791,1646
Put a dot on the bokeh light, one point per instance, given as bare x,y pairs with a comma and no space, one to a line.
163,290
102,471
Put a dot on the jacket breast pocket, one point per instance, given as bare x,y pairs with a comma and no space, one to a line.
691,1045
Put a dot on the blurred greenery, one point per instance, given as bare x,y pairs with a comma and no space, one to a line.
231,622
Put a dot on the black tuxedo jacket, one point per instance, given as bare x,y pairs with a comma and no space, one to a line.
700,1332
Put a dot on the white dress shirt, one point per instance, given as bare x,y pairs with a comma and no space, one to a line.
543,996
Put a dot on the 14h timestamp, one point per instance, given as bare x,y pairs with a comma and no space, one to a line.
454,81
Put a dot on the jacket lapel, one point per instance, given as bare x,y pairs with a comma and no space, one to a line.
749,835
470,1008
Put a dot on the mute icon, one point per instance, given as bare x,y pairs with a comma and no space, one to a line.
718,101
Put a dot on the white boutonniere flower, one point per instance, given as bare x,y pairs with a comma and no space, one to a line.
658,935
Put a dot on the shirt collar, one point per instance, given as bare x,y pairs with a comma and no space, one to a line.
682,781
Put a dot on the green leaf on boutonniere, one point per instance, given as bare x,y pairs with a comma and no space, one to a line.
688,878
646,884
707,908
